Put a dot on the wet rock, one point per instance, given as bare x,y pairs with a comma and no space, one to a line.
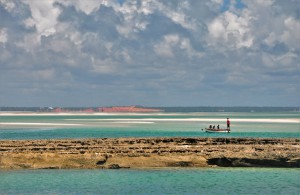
248,162
50,167
222,162
183,164
233,152
114,166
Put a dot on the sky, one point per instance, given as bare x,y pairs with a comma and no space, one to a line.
149,52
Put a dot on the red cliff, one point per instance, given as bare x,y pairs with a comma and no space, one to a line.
128,109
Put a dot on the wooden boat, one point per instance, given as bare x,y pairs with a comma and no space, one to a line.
211,130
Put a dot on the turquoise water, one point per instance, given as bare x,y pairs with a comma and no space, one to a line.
149,125
152,181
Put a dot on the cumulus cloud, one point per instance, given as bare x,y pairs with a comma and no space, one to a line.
85,6
43,17
172,42
290,35
3,35
231,30
8,5
161,53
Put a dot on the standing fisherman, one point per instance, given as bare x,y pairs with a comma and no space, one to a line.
228,123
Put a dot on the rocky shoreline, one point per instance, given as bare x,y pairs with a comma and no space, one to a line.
115,153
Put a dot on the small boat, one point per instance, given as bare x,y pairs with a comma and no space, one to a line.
211,130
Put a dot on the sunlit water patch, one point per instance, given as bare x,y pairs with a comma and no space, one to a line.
278,125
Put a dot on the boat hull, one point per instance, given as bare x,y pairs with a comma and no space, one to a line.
217,130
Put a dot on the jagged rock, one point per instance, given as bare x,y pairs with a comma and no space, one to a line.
81,153
50,168
182,164
114,166
102,161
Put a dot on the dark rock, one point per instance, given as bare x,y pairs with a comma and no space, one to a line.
102,162
191,140
114,166
183,164
222,162
249,162
50,168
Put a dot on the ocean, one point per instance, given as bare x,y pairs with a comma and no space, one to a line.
150,181
57,126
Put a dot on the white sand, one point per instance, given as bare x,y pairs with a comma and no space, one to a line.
41,124
263,120
134,122
145,120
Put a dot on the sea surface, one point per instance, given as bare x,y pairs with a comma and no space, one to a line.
150,181
273,125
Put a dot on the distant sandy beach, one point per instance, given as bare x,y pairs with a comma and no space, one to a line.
142,120
20,113
266,120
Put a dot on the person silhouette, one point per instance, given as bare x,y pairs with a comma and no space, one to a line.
228,123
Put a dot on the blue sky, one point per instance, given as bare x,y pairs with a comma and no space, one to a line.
150,52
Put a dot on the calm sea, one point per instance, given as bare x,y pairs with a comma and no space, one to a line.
151,181
275,125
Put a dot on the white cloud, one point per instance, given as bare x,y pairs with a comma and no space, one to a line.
172,42
191,52
8,5
151,47
134,16
165,48
44,17
3,35
135,13
264,3
275,22
291,34
106,66
287,34
271,39
230,30
86,6
287,61
179,16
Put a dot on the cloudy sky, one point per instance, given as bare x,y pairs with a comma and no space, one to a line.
150,52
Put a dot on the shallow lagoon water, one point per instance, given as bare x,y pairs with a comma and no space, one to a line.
148,125
152,181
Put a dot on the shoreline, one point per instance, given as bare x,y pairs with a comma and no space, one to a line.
164,152
291,120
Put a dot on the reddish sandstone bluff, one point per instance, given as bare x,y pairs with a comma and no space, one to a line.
128,109
149,152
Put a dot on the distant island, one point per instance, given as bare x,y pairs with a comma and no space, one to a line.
123,109
128,109
152,109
